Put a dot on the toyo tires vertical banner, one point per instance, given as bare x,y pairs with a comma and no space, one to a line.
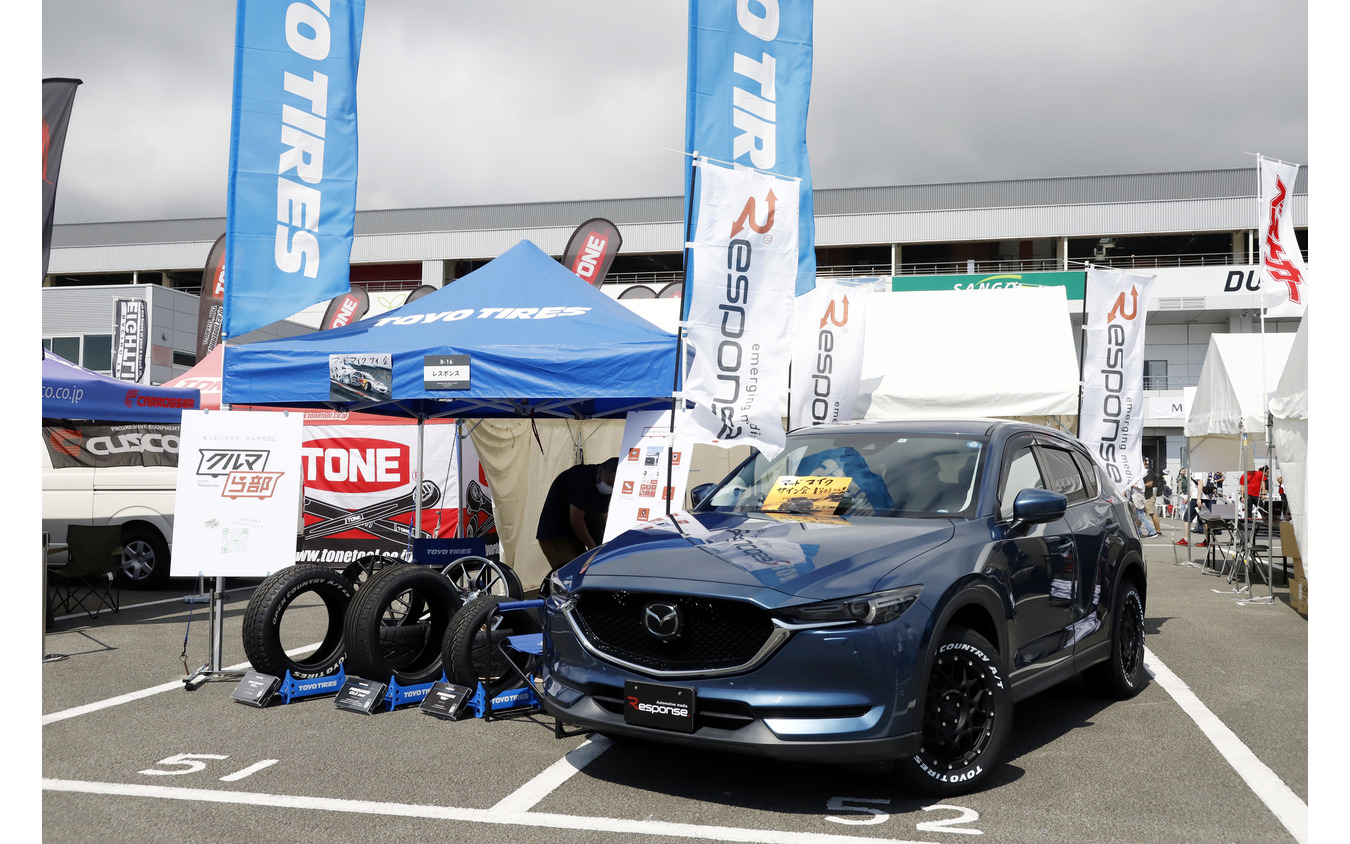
749,86
291,199
1111,420
739,296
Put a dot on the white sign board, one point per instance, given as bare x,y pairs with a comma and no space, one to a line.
649,474
238,494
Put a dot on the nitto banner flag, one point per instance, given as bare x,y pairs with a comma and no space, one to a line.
749,87
827,355
1112,416
291,199
740,293
129,337
58,95
1284,275
210,300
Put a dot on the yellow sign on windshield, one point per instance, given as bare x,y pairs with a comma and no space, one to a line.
806,494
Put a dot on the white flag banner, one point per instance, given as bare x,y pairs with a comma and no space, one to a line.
653,470
827,355
740,299
1111,422
1284,276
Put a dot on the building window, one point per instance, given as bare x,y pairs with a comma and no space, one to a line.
184,358
66,347
97,354
1155,375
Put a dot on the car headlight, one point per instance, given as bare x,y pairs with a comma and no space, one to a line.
557,592
877,608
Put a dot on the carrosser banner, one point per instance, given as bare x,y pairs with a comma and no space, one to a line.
739,296
291,200
1111,418
827,354
749,87
1285,277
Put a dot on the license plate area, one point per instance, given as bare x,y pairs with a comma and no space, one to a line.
660,706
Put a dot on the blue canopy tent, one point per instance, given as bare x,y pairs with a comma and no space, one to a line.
529,338
70,391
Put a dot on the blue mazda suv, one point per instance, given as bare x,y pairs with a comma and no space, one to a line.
877,592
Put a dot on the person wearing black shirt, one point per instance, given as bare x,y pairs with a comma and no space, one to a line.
573,519
1150,506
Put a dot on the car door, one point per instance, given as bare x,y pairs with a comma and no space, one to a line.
1039,562
1087,518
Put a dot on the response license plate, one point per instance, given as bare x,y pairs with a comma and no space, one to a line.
662,707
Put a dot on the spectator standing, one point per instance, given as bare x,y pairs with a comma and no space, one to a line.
1253,482
573,518
1284,502
1150,498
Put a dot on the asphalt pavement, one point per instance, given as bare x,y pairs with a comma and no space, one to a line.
1214,749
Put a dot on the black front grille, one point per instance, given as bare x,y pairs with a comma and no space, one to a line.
714,633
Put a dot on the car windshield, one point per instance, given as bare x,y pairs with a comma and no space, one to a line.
859,473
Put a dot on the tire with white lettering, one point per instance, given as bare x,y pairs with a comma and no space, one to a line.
967,718
268,634
395,627
1122,675
145,558
470,649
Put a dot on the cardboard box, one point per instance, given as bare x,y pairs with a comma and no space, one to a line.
1298,594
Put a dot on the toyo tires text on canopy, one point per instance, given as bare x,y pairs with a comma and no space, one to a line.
270,625
471,654
396,625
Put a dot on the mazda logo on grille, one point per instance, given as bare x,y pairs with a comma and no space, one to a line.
663,621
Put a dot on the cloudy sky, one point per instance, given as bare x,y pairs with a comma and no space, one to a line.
464,102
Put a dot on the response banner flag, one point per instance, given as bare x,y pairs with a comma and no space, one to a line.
739,296
58,95
827,354
291,199
1111,421
130,323
1285,277
211,300
749,86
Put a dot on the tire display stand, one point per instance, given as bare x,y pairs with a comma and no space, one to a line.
289,689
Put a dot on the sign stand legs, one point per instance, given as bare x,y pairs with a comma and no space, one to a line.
212,670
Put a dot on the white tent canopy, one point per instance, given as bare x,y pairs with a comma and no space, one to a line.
1289,407
993,353
1240,371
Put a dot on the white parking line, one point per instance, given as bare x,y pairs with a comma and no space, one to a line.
528,795
1269,788
451,813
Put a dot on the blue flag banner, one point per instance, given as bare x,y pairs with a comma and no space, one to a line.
749,70
291,203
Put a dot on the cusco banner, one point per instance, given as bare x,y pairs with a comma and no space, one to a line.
1111,420
1072,282
749,69
291,198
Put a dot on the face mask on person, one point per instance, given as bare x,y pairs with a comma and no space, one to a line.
604,488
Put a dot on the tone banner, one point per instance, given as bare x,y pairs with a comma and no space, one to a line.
130,324
653,472
238,494
827,354
1111,418
291,200
591,249
1284,275
346,308
58,95
211,300
749,87
740,293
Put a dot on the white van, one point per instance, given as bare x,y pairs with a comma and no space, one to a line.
99,478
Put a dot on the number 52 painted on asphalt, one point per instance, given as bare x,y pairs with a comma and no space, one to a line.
868,814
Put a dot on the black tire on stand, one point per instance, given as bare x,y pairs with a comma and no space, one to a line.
360,570
472,639
967,717
1122,675
396,624
263,617
475,576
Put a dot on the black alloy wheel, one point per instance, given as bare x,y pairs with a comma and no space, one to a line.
1122,675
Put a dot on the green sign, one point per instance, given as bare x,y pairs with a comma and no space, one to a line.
1072,282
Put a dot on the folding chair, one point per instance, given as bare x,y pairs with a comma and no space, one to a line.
90,575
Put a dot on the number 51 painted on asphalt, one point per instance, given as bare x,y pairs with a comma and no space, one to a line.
191,763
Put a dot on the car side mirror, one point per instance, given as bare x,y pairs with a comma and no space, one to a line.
700,492
1037,507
